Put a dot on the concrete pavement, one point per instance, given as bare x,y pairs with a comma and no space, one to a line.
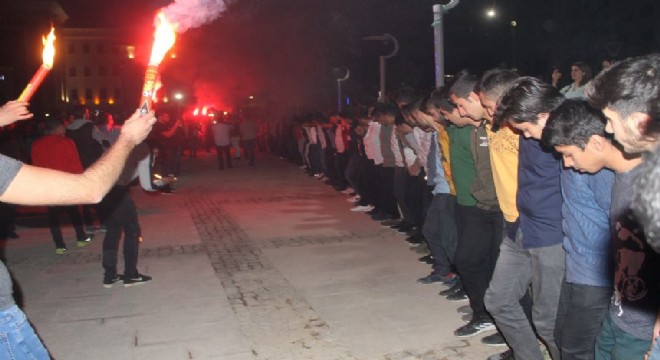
248,263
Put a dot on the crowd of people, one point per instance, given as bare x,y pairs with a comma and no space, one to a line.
516,192
519,193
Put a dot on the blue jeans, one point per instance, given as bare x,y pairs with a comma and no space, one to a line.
17,338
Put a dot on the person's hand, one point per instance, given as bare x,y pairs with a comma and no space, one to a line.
14,111
138,126
414,169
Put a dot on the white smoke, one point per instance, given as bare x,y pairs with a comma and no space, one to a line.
193,13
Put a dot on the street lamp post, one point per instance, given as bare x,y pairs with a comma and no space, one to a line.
342,74
438,39
382,58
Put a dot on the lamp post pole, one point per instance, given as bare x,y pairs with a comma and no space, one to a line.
438,39
382,58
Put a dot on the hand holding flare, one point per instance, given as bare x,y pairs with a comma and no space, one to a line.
47,56
165,37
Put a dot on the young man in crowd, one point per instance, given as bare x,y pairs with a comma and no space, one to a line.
439,228
535,256
628,93
385,115
482,222
587,286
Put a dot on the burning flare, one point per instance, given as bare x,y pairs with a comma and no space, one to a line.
164,39
47,58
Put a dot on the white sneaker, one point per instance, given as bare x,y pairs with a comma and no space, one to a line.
362,208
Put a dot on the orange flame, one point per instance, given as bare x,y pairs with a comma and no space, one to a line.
165,37
49,48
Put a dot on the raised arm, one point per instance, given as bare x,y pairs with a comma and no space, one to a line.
38,186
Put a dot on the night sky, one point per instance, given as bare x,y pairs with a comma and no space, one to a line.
285,50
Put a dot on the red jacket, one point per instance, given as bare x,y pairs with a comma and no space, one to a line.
56,152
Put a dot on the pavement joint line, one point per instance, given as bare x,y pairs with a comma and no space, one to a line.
266,305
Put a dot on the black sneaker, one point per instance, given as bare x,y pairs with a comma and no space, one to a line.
428,259
136,280
474,327
494,340
109,281
457,296
464,310
430,279
507,355
452,290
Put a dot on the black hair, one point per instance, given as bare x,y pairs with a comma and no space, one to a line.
495,82
51,124
406,95
78,111
525,100
385,109
438,99
463,84
632,85
573,122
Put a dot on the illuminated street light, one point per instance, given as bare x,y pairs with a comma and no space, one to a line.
178,96
491,12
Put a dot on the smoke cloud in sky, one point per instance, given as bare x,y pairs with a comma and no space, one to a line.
193,13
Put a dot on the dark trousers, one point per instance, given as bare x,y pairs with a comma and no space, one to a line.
223,152
479,238
352,173
54,213
367,187
341,161
440,232
121,216
249,148
414,197
385,183
403,195
582,309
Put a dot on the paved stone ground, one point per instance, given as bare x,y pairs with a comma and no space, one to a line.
262,263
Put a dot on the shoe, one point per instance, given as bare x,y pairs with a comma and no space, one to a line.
464,310
354,199
460,295
60,251
109,281
415,239
347,191
85,242
103,228
422,249
136,280
362,208
390,222
431,279
427,259
452,290
496,339
467,318
403,227
381,217
507,355
474,327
